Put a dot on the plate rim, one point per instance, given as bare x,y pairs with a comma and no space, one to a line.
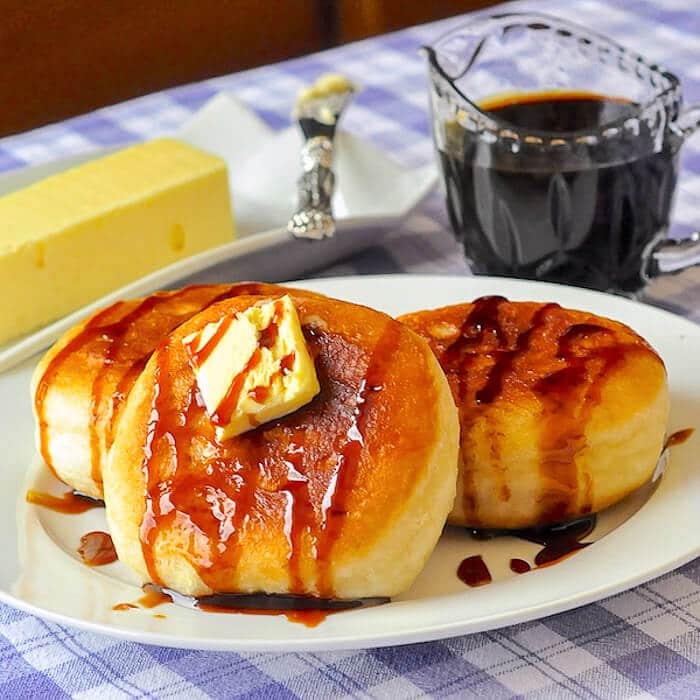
422,634
425,632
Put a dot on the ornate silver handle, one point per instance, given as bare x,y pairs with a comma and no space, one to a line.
314,217
318,110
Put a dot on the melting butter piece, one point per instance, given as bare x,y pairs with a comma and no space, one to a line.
327,86
253,367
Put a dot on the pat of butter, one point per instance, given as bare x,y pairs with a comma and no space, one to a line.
327,84
73,237
252,367
325,87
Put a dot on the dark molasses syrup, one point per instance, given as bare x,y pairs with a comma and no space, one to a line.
558,542
534,213
474,572
568,363
679,437
519,566
300,609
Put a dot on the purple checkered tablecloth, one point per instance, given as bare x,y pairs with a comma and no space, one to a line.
643,643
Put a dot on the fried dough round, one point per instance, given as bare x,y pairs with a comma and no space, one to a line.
562,412
344,498
79,386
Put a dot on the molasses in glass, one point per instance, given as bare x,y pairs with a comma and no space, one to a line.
559,153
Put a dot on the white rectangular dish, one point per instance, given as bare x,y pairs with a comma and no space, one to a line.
263,167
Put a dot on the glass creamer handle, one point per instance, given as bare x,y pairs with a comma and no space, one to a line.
689,120
669,257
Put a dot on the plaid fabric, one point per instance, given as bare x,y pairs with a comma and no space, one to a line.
643,643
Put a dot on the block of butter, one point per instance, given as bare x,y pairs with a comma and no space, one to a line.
252,367
73,237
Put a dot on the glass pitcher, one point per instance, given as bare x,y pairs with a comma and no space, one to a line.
559,152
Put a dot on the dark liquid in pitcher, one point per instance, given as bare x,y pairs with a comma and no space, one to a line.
531,217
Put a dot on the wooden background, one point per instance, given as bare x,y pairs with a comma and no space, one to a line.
59,58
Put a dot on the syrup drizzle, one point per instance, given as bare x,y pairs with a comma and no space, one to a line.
269,335
480,331
217,503
480,325
97,549
558,542
679,437
113,336
474,572
224,411
90,332
505,359
153,597
568,397
105,334
519,566
71,503
119,396
199,357
341,485
168,422
261,392
299,515
183,497
296,608
567,364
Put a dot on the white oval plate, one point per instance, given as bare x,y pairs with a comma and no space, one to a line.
649,534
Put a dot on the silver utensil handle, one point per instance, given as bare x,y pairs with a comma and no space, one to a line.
313,218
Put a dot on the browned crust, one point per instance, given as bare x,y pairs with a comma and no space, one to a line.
79,386
546,396
343,508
